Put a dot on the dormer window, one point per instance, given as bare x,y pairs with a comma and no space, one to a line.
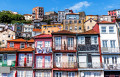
22,45
11,44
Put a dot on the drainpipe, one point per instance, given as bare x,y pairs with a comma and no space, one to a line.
77,49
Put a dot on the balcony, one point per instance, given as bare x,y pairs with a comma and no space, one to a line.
110,50
10,64
46,65
112,66
69,65
88,48
22,64
44,50
90,65
64,48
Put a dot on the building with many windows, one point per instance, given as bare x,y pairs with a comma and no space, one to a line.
64,54
109,47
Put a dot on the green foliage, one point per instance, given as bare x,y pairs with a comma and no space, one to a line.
9,17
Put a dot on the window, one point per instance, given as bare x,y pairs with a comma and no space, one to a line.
103,29
70,42
75,27
87,74
22,45
81,40
47,43
29,74
39,61
47,61
88,27
39,44
66,22
46,74
8,35
11,44
75,21
94,40
79,21
21,59
70,27
114,60
48,31
0,58
70,22
97,74
79,27
70,58
66,27
111,29
112,43
20,74
104,43
106,60
71,74
38,74
58,42
29,58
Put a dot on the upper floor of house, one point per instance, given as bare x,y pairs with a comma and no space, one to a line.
108,36
20,43
72,16
64,41
88,41
43,43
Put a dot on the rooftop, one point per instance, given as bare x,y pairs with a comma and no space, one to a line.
105,22
90,32
37,30
17,40
31,40
8,49
27,49
44,36
63,32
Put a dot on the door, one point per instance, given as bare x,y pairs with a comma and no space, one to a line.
71,61
29,59
58,74
39,61
47,61
58,43
70,43
58,60
21,59
89,58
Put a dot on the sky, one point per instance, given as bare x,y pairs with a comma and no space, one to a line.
91,7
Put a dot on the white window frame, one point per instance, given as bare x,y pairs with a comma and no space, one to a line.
103,29
21,45
80,40
47,43
103,42
93,40
29,73
111,29
70,73
12,44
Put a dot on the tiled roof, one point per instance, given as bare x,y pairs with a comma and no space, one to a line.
90,32
92,15
72,13
27,49
31,40
63,32
8,49
105,22
27,15
44,36
17,40
37,30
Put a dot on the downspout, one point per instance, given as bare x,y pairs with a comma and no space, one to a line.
77,49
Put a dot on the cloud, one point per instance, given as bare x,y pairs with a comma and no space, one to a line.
79,6
109,7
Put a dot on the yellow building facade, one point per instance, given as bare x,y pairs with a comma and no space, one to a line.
94,17
48,29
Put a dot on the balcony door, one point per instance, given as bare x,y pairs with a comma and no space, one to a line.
58,60
21,59
29,59
71,60
58,43
89,59
39,61
47,61
58,74
70,43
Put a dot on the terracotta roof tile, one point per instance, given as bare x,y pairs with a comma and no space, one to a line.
105,22
17,40
27,49
37,30
31,40
90,32
8,49
64,32
44,36
72,13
